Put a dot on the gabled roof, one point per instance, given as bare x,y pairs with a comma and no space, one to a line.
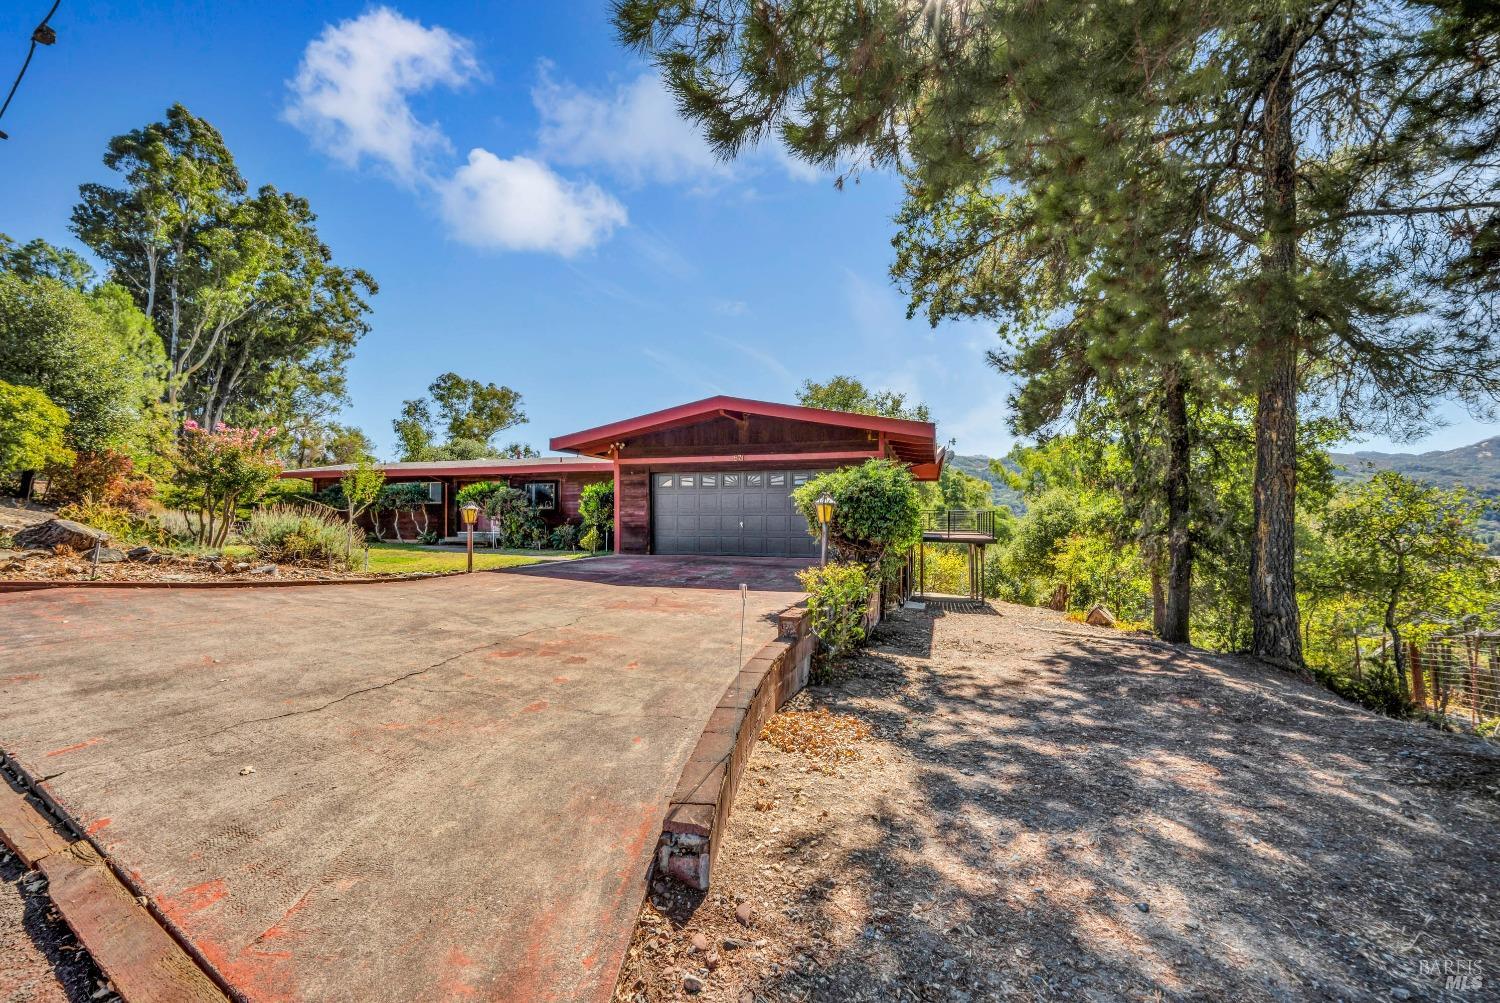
468,468
913,442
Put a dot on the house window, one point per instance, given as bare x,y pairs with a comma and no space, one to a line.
663,480
541,494
731,480
434,489
710,480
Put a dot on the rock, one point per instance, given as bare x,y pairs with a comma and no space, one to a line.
743,912
1100,616
1400,994
692,983
141,553
700,943
108,555
60,533
264,569
711,960
247,771
1143,906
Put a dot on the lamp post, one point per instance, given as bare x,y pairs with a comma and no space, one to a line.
470,512
825,516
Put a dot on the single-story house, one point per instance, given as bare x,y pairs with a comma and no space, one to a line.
711,477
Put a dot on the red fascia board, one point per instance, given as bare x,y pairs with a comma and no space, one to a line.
787,459
441,470
916,431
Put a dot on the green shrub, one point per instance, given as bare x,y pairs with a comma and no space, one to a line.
877,510
513,520
565,537
281,534
237,552
591,540
478,492
596,505
837,598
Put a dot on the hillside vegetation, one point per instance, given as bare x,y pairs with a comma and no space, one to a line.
1475,466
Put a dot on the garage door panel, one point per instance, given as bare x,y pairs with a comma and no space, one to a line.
735,513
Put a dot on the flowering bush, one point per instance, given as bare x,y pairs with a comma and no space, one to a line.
101,477
221,468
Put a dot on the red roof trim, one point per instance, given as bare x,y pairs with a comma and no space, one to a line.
919,431
440,469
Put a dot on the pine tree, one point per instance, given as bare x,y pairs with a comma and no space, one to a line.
1301,153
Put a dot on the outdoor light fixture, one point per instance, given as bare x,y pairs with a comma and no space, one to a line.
825,516
470,513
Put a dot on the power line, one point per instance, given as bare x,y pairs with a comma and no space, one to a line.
42,34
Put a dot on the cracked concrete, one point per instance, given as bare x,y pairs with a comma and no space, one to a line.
457,783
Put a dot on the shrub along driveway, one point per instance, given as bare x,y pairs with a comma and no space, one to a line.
414,790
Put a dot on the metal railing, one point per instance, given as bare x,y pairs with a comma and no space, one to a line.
959,522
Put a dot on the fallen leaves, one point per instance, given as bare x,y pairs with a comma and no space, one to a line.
826,738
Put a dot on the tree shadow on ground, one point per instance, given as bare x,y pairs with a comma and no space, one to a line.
1092,816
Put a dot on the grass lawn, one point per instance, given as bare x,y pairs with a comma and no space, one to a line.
408,557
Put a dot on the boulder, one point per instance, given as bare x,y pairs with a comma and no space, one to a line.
108,555
141,553
60,533
1100,616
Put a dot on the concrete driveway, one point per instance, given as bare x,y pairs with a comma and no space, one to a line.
430,790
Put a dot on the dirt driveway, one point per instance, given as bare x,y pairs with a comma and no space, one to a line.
1048,811
425,790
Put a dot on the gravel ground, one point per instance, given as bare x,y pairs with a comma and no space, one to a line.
1048,811
40,962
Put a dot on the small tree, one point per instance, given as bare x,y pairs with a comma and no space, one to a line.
222,468
1404,545
877,510
360,486
398,498
596,507
31,430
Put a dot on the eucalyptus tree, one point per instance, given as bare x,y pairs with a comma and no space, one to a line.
1300,151
246,298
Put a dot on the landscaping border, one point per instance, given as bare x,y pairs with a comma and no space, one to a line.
137,953
34,584
698,814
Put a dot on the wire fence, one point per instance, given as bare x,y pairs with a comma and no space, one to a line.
1458,675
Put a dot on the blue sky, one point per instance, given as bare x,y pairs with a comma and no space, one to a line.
534,212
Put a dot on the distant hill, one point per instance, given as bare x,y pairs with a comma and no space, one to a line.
979,466
1476,467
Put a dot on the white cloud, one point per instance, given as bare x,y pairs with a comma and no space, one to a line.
637,134
634,132
521,204
350,93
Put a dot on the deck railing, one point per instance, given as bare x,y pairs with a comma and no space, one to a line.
959,523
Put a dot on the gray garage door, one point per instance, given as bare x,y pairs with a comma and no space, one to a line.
744,513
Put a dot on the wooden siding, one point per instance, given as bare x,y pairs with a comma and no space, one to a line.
722,435
634,505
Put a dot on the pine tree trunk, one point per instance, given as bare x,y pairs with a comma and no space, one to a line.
1179,585
1273,596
